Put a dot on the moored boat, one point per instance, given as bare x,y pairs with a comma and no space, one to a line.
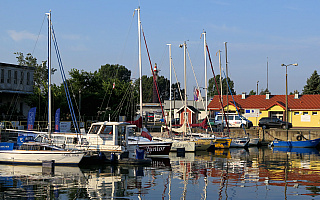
296,144
240,142
36,153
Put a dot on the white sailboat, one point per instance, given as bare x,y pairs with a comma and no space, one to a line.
37,152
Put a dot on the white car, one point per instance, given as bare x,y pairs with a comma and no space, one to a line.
234,120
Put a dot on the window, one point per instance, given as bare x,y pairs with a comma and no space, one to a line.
305,113
28,78
2,76
107,132
94,129
296,113
9,76
21,77
314,113
15,77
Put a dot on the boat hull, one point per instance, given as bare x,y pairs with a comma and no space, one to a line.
222,143
186,145
203,144
37,157
157,149
239,142
254,141
296,144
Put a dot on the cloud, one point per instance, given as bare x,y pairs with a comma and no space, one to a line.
71,37
22,35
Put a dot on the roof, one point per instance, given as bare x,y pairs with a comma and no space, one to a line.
191,108
304,102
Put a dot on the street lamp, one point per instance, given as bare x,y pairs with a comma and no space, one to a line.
295,64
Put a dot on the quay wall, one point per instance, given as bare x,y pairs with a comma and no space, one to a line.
268,135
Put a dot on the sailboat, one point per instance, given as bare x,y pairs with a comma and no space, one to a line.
36,152
153,148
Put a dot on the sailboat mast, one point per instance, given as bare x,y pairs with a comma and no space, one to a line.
170,96
140,67
205,70
221,80
185,85
225,46
49,73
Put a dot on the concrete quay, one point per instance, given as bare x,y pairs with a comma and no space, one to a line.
266,135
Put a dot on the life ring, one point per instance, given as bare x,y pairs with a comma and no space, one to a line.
299,137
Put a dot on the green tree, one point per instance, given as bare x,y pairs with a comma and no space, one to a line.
212,90
115,72
313,84
175,92
264,91
252,92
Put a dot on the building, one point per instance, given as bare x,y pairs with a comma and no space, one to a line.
192,114
16,82
303,110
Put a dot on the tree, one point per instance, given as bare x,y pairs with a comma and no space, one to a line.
212,90
175,91
264,91
147,88
313,84
252,92
113,72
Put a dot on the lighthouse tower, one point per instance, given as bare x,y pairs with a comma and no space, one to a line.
155,98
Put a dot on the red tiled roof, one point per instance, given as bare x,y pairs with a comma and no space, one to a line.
304,102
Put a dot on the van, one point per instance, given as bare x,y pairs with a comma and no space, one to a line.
234,120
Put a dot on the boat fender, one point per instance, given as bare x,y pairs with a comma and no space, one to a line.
299,137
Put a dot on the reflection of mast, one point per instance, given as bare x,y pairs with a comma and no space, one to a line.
185,181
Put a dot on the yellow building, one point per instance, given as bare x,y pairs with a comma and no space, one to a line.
303,110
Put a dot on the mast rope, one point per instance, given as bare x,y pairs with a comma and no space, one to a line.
234,102
219,95
64,81
198,86
154,79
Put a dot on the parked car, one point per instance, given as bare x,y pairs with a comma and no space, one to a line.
234,120
273,122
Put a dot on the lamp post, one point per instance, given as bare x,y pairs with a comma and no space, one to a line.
295,64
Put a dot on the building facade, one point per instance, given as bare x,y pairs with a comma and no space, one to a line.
303,110
16,82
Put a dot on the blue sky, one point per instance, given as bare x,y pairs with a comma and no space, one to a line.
95,33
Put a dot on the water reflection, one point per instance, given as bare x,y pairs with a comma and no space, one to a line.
254,173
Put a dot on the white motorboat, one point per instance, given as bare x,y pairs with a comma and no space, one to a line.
254,141
240,142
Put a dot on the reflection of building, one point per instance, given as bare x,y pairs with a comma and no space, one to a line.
16,82
303,110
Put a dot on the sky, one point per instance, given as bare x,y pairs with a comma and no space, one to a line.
260,36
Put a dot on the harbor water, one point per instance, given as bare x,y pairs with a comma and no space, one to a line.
255,173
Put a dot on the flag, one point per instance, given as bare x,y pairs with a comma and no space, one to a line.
57,121
196,94
145,133
31,117
138,122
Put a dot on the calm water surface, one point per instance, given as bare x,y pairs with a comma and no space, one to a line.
256,173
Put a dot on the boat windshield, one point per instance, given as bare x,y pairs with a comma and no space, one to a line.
94,129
